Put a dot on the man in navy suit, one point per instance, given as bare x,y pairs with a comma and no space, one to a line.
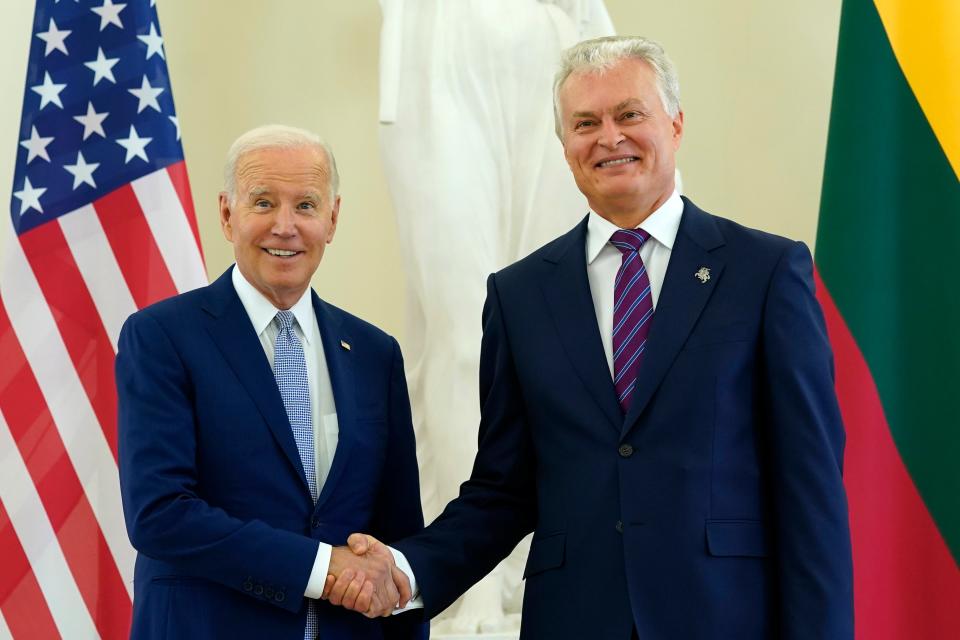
657,404
260,426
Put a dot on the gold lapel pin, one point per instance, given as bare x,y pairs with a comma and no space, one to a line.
345,345
702,274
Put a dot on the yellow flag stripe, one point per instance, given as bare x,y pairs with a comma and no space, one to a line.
925,36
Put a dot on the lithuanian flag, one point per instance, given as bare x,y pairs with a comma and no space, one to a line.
888,256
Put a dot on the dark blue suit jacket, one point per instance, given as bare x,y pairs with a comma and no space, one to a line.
713,509
214,494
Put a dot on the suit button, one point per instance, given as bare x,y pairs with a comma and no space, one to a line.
280,597
258,590
626,451
268,592
248,586
619,526
316,523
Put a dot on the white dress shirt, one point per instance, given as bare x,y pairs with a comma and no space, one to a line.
326,432
603,261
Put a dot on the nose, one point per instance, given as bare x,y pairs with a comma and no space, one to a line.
284,222
610,134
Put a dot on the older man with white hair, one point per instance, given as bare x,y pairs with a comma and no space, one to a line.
260,425
657,404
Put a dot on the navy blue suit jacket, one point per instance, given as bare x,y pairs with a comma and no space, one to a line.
214,493
713,509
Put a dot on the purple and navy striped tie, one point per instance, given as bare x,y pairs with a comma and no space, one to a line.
632,312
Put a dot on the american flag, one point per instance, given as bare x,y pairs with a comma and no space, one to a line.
103,224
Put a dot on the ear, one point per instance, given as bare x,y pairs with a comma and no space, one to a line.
677,130
226,216
334,216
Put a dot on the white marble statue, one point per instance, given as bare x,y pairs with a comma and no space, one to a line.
478,180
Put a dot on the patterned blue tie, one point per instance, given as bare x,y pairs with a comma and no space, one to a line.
290,370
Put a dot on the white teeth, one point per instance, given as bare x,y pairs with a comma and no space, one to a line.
281,252
613,163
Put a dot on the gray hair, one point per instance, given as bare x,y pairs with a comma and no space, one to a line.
273,136
600,54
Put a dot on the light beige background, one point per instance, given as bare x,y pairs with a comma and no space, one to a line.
755,76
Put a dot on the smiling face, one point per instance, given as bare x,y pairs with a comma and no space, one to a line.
619,141
281,220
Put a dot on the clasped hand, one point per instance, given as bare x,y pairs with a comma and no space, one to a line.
363,577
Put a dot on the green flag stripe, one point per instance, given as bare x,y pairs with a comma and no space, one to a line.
888,249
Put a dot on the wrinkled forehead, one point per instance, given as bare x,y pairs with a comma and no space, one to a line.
274,168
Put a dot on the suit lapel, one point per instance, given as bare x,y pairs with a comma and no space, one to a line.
341,367
229,326
567,291
682,299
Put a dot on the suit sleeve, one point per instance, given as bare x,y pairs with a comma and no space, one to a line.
166,517
398,512
807,440
496,507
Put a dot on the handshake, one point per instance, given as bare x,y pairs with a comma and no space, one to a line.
363,577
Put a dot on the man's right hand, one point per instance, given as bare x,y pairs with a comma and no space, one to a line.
364,578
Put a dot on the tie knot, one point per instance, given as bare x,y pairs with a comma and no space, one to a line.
284,319
628,240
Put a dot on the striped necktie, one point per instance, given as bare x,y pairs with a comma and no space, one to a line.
632,312
290,370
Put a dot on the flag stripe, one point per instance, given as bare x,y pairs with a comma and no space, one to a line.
32,527
98,266
164,213
134,246
77,319
181,182
60,491
36,331
893,533
23,611
924,38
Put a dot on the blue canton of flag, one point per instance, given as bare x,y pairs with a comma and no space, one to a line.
98,110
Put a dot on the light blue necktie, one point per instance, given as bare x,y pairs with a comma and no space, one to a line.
290,370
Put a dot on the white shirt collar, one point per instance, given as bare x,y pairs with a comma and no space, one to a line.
262,311
662,225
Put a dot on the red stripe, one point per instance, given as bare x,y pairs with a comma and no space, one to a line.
181,182
24,608
77,320
906,583
134,247
60,490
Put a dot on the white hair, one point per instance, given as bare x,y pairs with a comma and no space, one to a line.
600,54
274,136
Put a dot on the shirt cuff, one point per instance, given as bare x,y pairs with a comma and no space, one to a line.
318,575
416,602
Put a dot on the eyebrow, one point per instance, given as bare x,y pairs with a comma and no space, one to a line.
306,195
619,107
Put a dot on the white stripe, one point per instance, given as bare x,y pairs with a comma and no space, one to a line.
168,222
68,403
99,268
4,629
40,544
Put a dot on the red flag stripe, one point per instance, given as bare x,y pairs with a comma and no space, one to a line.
906,583
134,246
78,321
24,608
165,216
38,336
98,266
40,544
61,492
181,183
